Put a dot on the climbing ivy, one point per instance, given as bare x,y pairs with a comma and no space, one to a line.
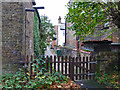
46,29
37,38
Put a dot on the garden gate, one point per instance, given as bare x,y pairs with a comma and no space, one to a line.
77,68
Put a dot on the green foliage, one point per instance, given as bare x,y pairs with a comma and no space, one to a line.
43,79
41,64
112,61
110,80
48,44
85,16
46,29
37,38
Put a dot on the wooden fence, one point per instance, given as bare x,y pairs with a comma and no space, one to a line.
77,68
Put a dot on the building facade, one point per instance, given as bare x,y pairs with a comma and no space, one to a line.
61,32
17,34
100,43
71,39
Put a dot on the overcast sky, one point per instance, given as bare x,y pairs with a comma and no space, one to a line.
53,9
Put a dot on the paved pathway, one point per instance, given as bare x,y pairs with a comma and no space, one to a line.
91,84
49,52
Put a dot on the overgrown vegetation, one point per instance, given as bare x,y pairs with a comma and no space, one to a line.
109,73
111,80
42,79
112,60
37,38
91,19
42,30
85,17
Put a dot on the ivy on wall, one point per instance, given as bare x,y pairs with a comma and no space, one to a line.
36,32
46,29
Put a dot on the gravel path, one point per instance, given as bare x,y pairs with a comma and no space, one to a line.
49,52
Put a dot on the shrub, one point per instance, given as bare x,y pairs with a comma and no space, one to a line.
43,79
110,80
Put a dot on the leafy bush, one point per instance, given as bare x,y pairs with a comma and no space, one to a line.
48,44
42,30
110,80
43,79
112,60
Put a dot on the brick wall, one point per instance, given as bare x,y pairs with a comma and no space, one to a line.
29,29
66,51
70,39
0,39
56,31
13,34
116,37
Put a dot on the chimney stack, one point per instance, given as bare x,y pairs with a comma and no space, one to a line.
59,20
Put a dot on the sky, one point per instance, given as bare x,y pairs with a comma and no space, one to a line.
53,9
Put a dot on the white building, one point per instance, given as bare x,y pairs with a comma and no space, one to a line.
61,32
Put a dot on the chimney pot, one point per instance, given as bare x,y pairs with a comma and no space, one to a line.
59,19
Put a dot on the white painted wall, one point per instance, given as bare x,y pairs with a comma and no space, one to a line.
61,36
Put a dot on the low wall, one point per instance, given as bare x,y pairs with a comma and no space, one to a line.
66,51
112,60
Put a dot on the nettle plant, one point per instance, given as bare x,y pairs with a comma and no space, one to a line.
42,79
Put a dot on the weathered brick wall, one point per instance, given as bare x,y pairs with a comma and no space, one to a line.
29,29
70,39
0,39
66,51
13,34
12,31
116,37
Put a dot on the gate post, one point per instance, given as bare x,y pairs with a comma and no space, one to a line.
94,67
98,65
71,68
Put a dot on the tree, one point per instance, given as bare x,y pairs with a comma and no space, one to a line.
85,16
46,29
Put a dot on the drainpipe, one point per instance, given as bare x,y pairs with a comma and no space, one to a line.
65,31
25,31
77,39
